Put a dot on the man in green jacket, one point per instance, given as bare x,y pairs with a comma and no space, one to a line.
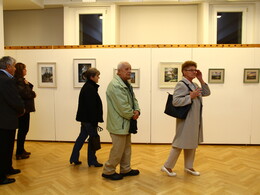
121,106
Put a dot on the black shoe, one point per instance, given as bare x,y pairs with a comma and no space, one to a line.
114,176
76,162
14,171
26,153
21,156
131,173
7,181
95,164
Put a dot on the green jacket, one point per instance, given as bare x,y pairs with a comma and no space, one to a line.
119,107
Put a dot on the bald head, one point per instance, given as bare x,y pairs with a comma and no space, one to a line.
124,70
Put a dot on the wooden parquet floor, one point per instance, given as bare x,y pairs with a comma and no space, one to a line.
225,170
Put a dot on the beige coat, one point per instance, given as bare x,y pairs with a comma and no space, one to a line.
189,131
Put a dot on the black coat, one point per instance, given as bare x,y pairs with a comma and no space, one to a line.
90,105
27,94
11,104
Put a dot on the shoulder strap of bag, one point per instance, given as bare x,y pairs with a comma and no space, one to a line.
187,85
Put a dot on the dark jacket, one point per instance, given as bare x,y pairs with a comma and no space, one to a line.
27,94
11,104
90,105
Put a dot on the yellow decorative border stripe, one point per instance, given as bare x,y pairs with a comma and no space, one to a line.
134,46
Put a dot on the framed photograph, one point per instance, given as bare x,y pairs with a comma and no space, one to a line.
135,77
47,74
81,66
251,75
216,75
169,74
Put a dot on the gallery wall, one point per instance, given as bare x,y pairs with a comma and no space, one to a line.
231,113
1,29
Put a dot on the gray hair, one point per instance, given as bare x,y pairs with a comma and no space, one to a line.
6,60
121,65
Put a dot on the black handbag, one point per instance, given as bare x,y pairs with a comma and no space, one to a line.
94,142
133,126
180,112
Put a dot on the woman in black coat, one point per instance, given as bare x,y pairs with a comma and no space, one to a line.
89,113
26,92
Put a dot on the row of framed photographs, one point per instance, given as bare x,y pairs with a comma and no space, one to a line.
47,73
169,74
251,75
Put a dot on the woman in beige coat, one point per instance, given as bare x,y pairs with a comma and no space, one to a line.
188,131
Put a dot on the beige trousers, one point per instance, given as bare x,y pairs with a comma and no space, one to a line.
189,156
120,153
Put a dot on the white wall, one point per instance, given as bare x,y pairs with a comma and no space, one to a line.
255,133
203,23
257,23
163,126
158,24
228,112
1,29
231,113
33,27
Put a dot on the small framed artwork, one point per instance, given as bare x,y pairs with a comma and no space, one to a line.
80,66
169,74
135,77
216,75
251,75
47,74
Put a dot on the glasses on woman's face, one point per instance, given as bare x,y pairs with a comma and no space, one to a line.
191,70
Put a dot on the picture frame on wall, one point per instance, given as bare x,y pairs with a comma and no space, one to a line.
216,75
251,75
79,67
169,74
135,77
47,74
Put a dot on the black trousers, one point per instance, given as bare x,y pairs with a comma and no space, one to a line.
24,122
7,137
86,130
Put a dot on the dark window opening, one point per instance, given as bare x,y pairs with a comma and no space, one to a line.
90,29
229,28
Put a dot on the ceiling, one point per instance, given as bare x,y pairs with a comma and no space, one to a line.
40,4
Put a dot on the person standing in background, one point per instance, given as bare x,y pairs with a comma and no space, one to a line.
11,107
122,106
90,113
26,92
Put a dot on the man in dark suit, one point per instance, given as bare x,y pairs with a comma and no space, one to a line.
11,106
